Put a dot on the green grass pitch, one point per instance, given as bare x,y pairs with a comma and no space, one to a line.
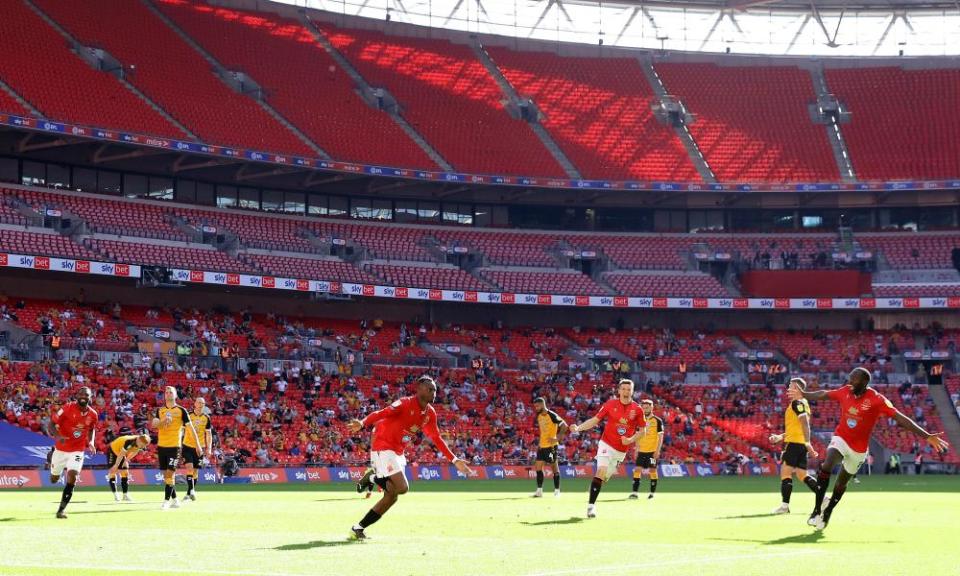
884,526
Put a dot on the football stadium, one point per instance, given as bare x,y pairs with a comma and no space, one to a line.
505,287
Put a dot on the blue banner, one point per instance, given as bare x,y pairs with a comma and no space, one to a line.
21,447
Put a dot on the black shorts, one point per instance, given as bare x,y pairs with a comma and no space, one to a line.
548,455
645,460
168,458
190,456
794,454
112,459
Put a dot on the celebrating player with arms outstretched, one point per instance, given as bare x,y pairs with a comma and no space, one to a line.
74,427
860,407
394,427
120,451
796,439
552,430
625,425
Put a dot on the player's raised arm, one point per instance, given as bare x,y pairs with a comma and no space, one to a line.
935,439
797,394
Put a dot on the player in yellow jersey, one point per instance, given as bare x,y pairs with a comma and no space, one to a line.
120,452
796,439
192,459
552,430
170,421
648,451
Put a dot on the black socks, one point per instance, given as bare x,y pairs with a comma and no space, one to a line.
65,497
786,488
371,518
539,478
595,487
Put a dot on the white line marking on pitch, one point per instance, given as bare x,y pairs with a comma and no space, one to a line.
670,563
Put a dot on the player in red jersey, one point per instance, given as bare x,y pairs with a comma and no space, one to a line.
625,425
394,427
860,408
74,427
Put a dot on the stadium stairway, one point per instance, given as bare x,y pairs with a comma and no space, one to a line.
948,414
693,150
832,125
368,90
224,74
511,94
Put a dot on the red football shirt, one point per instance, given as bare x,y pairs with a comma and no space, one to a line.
858,416
622,420
75,427
398,423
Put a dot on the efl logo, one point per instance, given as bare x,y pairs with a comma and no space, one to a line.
268,282
83,267
741,303
781,303
544,299
700,303
436,294
368,290
508,298
303,285
657,302
583,301
196,276
41,263
620,301
911,302
824,302
233,279
868,303
399,293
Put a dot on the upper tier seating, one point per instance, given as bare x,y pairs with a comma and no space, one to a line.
309,89
37,63
598,111
904,123
450,98
173,74
752,123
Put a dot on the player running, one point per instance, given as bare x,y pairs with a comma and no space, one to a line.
552,430
192,455
796,439
170,421
394,427
625,425
120,452
74,427
648,451
860,407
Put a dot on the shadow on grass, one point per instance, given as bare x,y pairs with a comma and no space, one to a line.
805,538
570,520
746,516
347,499
112,511
315,544
504,498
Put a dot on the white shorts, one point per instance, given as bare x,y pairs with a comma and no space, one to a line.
608,459
386,463
851,459
66,460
